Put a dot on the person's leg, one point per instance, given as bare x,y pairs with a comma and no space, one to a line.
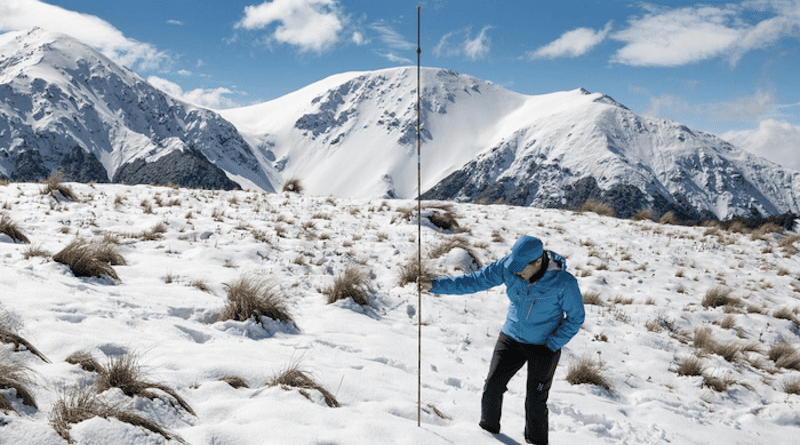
507,359
542,364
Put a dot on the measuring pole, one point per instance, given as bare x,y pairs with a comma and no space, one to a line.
419,236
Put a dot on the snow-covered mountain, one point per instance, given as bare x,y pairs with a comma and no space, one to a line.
65,106
354,135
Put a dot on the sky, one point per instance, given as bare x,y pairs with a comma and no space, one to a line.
727,68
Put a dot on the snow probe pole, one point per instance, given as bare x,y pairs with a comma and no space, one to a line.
419,239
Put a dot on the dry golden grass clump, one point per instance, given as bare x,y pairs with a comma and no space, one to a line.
451,243
785,356
353,283
91,258
294,377
442,216
53,185
588,371
601,208
85,361
792,386
10,228
293,185
643,215
719,296
8,335
251,296
689,366
81,403
410,270
592,297
17,376
235,381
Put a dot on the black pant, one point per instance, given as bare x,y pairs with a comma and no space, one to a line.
509,356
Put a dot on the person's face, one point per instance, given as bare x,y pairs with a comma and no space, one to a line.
531,269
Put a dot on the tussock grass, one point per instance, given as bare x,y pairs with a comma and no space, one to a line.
9,335
85,361
792,386
91,258
451,243
588,371
601,208
785,356
10,228
353,283
718,384
34,251
703,339
294,377
689,366
293,185
784,313
81,403
125,372
17,376
592,297
235,381
53,185
442,216
719,296
410,270
643,215
252,296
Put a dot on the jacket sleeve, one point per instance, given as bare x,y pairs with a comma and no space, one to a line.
486,278
572,307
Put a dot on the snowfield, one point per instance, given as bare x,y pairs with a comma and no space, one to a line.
183,248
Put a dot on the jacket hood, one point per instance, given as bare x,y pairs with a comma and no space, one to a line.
526,249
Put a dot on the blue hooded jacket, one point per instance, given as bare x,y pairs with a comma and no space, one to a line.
547,312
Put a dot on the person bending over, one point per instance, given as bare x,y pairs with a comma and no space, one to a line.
544,313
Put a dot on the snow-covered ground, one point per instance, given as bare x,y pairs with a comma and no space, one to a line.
651,279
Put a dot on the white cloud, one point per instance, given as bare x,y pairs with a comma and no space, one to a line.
573,43
677,37
186,73
18,15
461,43
175,22
359,39
309,25
390,37
394,58
777,141
209,98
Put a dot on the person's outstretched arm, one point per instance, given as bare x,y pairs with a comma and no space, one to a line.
486,278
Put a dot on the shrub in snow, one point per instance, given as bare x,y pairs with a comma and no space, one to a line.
17,376
587,371
690,366
719,296
10,228
53,184
91,258
125,372
293,185
81,403
294,377
792,386
785,356
251,296
601,208
352,283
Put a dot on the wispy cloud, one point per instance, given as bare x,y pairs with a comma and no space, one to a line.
215,98
754,107
391,38
774,140
17,15
573,43
308,25
461,43
175,22
675,37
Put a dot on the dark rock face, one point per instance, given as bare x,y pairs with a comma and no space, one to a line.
29,167
184,168
80,166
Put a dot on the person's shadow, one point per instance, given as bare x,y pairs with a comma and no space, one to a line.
506,440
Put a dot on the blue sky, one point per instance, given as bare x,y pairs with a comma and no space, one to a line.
729,68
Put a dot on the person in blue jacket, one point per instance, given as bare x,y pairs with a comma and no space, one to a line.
544,313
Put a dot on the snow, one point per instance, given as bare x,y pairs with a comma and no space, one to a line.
367,357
